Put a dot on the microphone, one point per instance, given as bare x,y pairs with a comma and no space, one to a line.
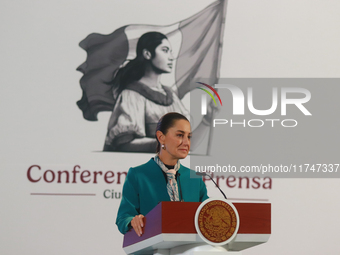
205,174
179,184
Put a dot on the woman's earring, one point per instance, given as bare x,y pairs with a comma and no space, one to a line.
163,147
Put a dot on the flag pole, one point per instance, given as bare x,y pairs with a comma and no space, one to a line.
219,59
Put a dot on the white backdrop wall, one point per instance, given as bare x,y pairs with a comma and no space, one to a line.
41,124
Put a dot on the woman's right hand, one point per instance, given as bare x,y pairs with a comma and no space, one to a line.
212,109
138,223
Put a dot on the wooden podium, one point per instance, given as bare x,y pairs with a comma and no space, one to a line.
170,226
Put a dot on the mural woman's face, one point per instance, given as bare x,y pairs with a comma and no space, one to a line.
163,58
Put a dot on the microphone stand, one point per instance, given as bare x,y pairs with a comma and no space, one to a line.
205,174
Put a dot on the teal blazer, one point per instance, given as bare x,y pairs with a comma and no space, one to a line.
145,187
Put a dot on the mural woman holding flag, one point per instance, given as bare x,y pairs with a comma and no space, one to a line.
123,70
142,99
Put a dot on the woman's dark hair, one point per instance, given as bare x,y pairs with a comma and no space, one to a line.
167,121
135,69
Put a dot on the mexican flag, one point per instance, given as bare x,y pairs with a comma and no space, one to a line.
196,44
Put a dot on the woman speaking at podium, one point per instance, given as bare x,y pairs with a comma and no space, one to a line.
162,178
